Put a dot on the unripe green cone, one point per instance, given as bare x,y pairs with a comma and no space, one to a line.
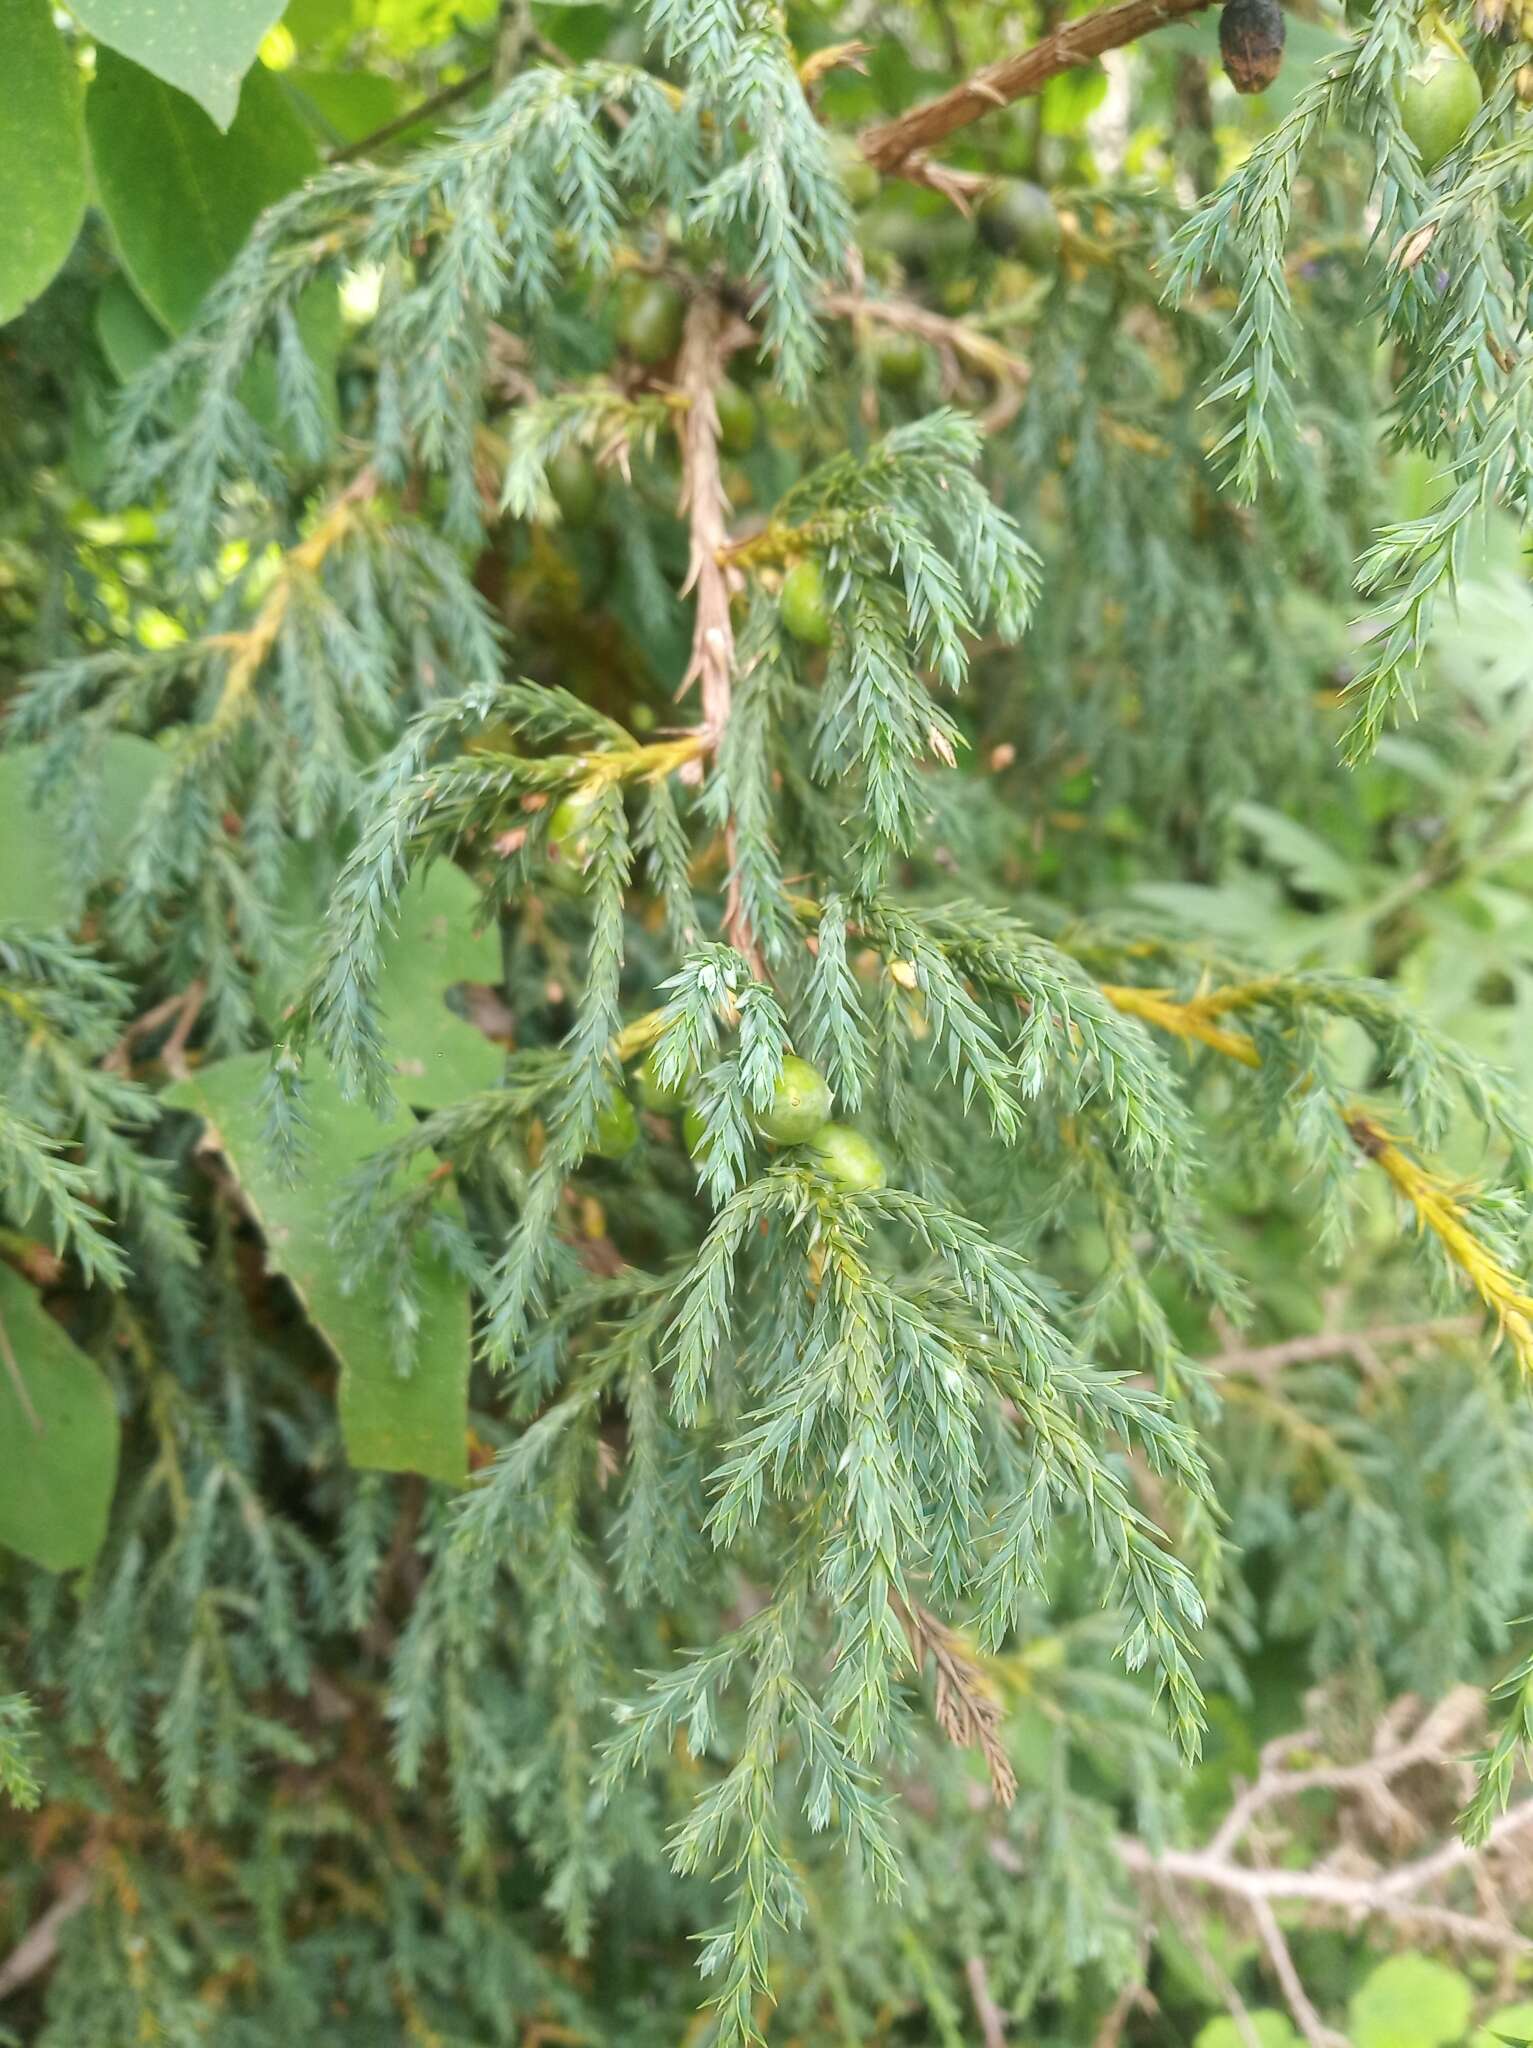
649,317
1018,219
617,1128
801,604
849,1159
800,1104
568,844
737,418
1438,102
654,1094
573,484
900,360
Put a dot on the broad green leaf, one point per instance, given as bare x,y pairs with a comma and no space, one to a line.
91,397
392,1422
180,197
1512,2023
1410,2002
1272,2030
43,183
34,881
437,1055
317,23
345,105
128,332
58,1423
204,47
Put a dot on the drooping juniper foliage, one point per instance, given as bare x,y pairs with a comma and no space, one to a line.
803,1538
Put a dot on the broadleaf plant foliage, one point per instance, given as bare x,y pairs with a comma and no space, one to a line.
796,1460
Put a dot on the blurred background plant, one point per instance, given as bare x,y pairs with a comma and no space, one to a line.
294,1740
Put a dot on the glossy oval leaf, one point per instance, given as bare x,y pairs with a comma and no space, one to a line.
58,1422
43,182
391,1422
203,48
179,196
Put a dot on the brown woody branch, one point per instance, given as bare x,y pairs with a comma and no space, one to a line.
952,337
896,147
708,339
705,342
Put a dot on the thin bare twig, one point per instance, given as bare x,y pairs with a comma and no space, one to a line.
120,1059
435,103
1387,1898
954,337
897,147
1263,1361
992,2021
1437,1740
1311,2025
185,1008
39,1945
173,1051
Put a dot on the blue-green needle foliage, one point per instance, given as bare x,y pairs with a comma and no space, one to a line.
786,1486
1449,264
68,1160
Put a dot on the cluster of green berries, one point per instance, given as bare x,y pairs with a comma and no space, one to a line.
798,1114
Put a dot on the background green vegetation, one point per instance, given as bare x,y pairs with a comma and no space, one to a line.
480,1528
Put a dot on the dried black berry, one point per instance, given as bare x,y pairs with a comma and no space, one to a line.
1251,36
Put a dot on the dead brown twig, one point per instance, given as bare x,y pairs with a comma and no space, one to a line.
968,1713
